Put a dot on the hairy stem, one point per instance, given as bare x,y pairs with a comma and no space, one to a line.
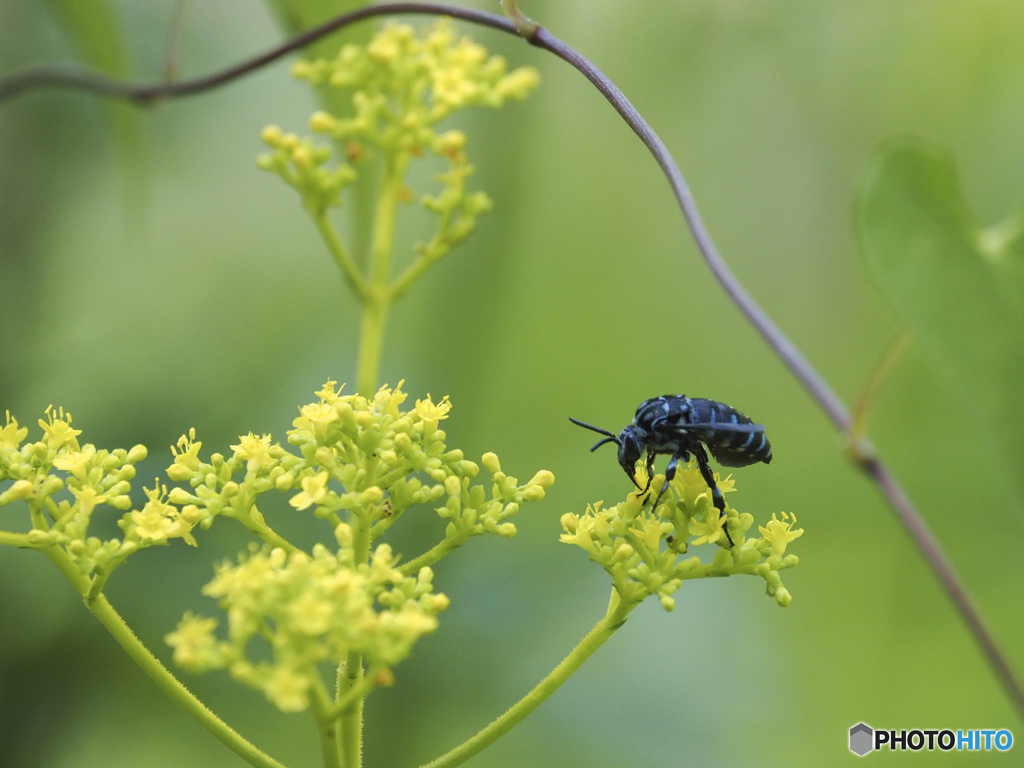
605,628
431,556
157,672
326,724
350,676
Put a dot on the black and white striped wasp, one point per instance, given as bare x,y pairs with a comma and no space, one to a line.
680,426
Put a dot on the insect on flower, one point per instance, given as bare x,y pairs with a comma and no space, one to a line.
680,426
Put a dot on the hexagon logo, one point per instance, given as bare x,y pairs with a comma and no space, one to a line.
861,739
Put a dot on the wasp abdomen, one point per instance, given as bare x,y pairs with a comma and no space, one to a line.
730,448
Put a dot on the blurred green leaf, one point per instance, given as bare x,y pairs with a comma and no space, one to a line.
959,284
94,30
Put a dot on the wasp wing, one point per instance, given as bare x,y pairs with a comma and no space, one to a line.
730,449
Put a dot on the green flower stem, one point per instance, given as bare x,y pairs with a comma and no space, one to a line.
641,549
356,693
326,723
377,299
613,619
432,555
350,674
157,672
410,275
15,540
266,533
341,256
38,518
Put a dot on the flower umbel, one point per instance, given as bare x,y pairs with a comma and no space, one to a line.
360,463
641,548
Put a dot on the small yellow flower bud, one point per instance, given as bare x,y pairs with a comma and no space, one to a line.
624,552
507,530
373,495
20,490
569,522
667,602
129,548
179,473
191,514
123,503
384,678
322,122
453,486
284,482
302,157
180,496
543,478
491,463
439,602
38,537
343,535
389,458
450,142
230,489
533,493
364,419
325,457
51,485
137,454
271,136
782,597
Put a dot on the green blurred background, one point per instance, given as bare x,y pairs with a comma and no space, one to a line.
156,289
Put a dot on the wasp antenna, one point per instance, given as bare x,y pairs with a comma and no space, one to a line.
592,428
599,443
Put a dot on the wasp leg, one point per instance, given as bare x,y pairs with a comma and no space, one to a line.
650,469
670,473
716,495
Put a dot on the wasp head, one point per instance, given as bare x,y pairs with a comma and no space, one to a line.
631,447
631,442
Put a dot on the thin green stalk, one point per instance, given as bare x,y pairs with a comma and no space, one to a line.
371,343
265,532
15,539
410,275
431,556
377,299
353,695
613,619
326,724
341,256
351,676
157,672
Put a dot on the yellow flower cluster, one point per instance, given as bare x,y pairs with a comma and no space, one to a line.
361,463
641,547
404,84
309,609
93,478
302,166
